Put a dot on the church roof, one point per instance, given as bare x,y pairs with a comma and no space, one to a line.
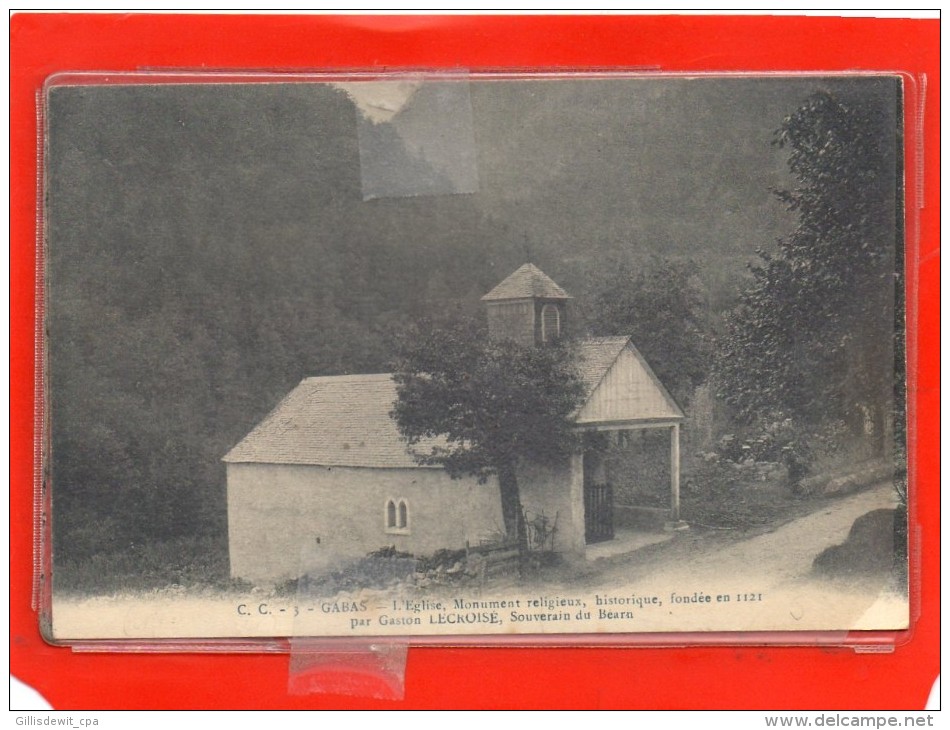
332,421
528,282
343,420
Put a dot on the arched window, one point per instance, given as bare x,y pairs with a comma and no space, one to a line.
403,521
390,514
397,516
550,323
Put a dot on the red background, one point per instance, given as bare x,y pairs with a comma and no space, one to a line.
771,677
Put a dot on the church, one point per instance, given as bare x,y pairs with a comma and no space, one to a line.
327,477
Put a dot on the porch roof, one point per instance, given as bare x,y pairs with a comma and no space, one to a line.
622,388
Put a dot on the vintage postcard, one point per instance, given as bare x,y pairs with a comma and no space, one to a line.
434,357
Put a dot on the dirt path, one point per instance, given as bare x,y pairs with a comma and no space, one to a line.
774,557
767,577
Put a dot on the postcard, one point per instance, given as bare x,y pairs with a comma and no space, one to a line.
503,356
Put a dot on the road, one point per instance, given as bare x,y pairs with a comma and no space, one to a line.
774,565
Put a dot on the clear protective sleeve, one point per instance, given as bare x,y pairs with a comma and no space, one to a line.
349,364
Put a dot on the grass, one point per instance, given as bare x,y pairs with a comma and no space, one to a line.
187,562
722,496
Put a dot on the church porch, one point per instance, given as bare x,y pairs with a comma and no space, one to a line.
611,520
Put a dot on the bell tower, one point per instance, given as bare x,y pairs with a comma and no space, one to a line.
527,307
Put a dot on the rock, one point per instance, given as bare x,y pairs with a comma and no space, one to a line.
869,549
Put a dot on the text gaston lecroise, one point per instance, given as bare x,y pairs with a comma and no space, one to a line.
461,611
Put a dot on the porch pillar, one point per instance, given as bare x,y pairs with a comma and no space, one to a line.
577,540
675,473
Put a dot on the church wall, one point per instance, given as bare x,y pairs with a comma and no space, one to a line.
547,490
514,320
285,520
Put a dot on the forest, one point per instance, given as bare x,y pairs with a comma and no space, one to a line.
208,247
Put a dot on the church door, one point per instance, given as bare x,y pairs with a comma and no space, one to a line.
598,501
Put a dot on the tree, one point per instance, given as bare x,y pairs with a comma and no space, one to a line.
662,307
478,407
813,336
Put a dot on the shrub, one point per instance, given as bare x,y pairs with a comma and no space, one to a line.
183,562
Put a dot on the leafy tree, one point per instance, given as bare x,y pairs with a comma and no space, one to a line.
813,336
661,306
478,407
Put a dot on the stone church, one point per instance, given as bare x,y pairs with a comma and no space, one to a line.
326,476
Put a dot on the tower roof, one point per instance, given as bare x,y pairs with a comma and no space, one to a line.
528,282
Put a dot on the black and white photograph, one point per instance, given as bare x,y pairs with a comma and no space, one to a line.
444,356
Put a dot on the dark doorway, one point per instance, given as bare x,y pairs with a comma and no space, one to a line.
598,500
